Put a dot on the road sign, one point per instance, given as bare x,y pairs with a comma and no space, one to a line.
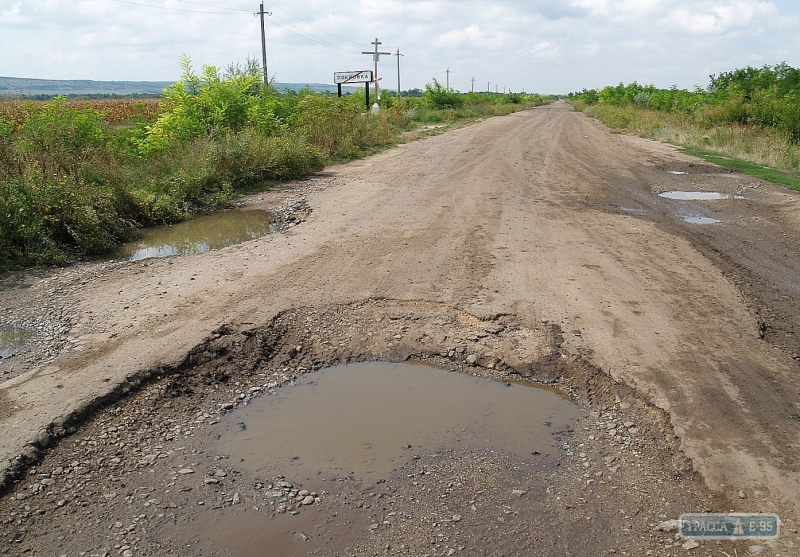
730,526
340,78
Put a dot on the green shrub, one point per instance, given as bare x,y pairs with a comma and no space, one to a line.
59,138
438,97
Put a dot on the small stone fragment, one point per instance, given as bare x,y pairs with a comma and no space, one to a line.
185,471
690,544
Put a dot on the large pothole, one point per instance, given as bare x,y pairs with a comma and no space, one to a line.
147,475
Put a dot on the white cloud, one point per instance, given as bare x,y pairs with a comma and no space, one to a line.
521,44
724,18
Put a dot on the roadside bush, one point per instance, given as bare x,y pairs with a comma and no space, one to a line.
337,127
438,97
61,139
250,158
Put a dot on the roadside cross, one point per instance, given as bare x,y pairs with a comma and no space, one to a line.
376,56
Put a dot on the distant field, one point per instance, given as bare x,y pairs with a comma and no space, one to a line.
115,111
17,86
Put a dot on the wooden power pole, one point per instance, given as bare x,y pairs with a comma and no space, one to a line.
376,56
261,12
398,70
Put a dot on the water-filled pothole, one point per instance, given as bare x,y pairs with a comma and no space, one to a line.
12,339
699,219
698,195
677,172
363,420
361,425
197,235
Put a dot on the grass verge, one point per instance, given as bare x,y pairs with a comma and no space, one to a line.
755,150
747,167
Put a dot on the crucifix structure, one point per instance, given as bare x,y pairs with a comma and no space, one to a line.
376,56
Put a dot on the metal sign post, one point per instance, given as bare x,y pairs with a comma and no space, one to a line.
365,77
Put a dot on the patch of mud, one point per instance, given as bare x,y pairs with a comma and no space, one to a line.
139,475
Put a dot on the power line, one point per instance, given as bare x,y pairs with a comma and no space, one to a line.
309,36
212,6
175,9
421,65
314,26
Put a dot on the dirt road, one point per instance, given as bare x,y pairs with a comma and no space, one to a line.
541,228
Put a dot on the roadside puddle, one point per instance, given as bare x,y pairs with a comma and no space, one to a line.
698,195
197,235
699,219
360,423
12,339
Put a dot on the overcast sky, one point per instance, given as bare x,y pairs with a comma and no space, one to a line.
533,45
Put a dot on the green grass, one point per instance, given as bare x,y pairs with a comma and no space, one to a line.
747,167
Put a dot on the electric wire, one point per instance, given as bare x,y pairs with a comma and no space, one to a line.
174,9
306,35
288,26
314,26
299,32
213,6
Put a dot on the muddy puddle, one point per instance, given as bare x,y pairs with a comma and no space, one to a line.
197,235
361,424
698,195
362,420
12,339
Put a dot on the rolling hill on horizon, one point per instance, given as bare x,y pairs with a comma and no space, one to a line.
30,87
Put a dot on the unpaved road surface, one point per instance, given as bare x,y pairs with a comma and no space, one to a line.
533,245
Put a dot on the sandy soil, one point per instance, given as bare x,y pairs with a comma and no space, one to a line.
531,245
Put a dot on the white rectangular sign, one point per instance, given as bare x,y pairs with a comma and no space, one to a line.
352,77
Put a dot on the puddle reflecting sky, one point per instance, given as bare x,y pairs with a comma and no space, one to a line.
12,339
698,219
698,195
197,235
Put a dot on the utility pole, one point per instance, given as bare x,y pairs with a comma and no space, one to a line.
375,57
261,12
448,79
473,84
488,85
398,70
